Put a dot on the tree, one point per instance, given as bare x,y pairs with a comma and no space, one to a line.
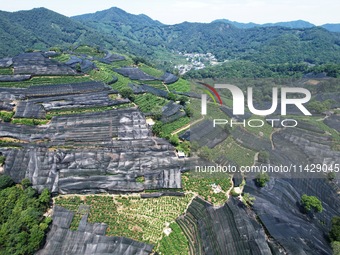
127,93
188,111
78,68
185,147
22,225
206,153
140,60
183,100
263,157
227,129
26,183
262,179
172,96
6,118
2,159
311,203
248,199
320,107
5,182
157,112
334,234
331,176
157,128
195,146
336,248
45,197
174,140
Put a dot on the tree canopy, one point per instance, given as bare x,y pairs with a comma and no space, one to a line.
311,203
22,225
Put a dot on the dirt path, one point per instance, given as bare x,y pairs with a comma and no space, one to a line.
230,189
271,137
186,126
167,89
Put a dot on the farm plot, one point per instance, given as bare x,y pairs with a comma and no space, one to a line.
111,57
333,122
150,70
36,64
130,216
15,78
149,102
172,112
205,134
280,213
6,71
155,84
203,187
87,238
175,243
50,80
87,50
65,89
135,73
180,85
6,62
168,128
154,90
222,230
169,78
81,64
107,75
230,151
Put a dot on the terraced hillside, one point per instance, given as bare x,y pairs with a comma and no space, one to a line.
66,126
110,138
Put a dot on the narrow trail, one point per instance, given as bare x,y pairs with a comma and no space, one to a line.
167,89
186,126
271,138
230,189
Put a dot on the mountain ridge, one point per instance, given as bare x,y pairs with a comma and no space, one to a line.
115,14
289,24
139,35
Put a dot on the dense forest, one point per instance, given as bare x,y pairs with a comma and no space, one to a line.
141,36
248,69
22,224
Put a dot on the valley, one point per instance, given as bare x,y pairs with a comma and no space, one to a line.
100,134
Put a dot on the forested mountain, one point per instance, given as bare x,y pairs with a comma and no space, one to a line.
140,35
41,28
117,15
271,43
289,24
332,27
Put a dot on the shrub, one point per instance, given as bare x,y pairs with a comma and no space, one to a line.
26,183
172,96
262,179
248,199
127,93
157,128
334,234
234,193
311,203
331,176
336,248
263,157
140,179
206,153
2,160
5,182
174,140
188,111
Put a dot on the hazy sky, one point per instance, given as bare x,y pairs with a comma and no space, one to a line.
176,11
